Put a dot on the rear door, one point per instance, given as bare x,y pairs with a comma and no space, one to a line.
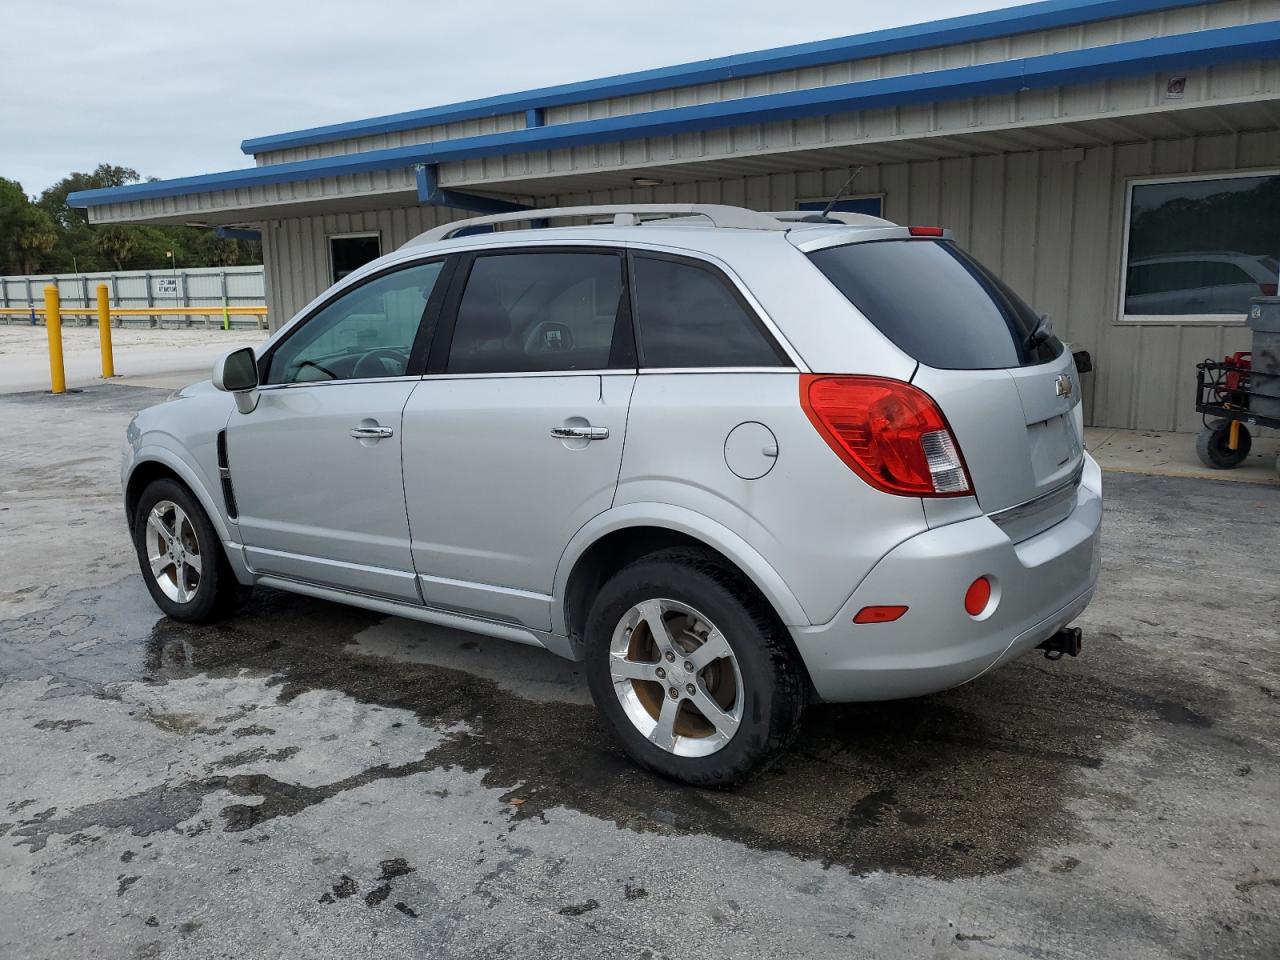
514,438
1008,395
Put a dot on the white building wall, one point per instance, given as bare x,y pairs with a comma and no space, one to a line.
1052,226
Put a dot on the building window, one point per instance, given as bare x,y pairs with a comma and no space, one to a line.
350,252
1201,248
872,205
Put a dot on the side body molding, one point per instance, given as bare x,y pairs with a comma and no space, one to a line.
681,520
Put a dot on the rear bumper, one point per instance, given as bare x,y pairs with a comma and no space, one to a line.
1040,585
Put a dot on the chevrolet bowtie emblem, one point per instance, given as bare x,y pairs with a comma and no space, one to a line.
1062,387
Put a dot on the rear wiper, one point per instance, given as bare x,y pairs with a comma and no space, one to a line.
1043,331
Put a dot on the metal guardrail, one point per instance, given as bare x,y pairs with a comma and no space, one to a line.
221,314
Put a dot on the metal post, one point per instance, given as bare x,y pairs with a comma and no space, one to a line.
31,303
104,332
84,295
226,317
53,324
115,295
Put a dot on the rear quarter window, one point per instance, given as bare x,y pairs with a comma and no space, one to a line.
937,303
688,316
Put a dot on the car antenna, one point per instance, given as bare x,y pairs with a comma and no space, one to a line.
843,187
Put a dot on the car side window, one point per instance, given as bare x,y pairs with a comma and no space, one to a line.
687,315
366,333
526,312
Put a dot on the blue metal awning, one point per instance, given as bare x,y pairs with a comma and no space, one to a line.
972,28
1178,52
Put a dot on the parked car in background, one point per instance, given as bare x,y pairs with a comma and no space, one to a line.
732,461
1210,282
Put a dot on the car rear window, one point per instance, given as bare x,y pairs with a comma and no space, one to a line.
937,303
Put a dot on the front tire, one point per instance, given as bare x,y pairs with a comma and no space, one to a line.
697,678
180,555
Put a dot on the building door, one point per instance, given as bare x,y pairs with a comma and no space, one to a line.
350,252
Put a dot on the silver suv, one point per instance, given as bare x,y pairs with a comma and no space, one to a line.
732,461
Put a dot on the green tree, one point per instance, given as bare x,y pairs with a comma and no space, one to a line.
115,243
33,237
81,246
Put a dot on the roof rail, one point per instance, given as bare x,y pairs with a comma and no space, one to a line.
624,215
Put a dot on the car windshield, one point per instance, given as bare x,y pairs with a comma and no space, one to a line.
938,304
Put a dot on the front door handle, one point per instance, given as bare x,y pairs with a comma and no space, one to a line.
372,433
580,433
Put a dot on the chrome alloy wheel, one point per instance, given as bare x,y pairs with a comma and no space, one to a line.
676,677
173,551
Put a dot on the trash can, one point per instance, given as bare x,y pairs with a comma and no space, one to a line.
1264,387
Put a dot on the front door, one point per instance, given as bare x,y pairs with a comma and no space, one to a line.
316,466
514,439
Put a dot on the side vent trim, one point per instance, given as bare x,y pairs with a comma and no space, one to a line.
224,476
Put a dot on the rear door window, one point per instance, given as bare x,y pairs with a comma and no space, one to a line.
529,312
937,304
688,315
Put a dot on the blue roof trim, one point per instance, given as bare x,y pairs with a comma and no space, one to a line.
967,29
1180,52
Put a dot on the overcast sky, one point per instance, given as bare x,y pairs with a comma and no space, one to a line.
171,88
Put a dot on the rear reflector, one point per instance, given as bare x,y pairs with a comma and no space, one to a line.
888,432
885,614
926,231
977,596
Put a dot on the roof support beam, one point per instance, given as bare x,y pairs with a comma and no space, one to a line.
430,192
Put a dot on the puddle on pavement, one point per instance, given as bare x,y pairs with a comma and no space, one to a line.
963,783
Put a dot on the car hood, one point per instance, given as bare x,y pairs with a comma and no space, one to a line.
199,388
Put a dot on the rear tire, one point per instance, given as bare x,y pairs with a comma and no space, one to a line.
709,718
1212,449
181,556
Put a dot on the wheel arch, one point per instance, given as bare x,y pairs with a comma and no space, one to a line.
157,463
614,538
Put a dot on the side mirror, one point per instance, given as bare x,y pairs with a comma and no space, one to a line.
237,373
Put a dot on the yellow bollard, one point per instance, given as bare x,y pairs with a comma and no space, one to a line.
104,332
53,324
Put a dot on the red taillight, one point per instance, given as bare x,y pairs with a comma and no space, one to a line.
890,433
1268,289
882,614
977,596
926,231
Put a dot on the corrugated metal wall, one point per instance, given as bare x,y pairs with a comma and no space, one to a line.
1051,226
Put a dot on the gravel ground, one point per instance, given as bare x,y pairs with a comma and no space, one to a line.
308,780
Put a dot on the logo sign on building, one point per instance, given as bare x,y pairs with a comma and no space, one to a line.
167,287
1176,88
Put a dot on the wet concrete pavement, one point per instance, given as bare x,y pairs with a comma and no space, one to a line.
308,780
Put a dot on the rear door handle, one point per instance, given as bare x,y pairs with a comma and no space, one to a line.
372,433
580,433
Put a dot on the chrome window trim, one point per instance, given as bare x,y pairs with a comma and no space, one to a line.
617,371
331,383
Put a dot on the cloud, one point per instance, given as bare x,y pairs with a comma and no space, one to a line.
172,88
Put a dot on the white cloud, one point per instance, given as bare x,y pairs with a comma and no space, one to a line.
172,88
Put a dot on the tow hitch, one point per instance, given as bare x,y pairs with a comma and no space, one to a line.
1066,640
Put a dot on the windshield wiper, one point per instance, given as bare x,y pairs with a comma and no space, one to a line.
1043,331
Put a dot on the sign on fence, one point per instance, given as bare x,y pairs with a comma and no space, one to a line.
167,287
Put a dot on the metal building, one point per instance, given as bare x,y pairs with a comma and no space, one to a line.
1116,161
